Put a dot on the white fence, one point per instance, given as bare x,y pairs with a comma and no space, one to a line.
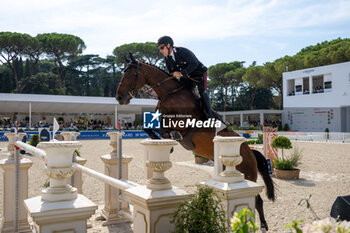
304,136
316,136
60,208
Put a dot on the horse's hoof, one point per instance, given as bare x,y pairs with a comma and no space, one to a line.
263,230
175,135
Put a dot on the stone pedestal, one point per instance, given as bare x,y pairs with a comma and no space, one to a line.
8,212
62,216
110,211
155,203
153,209
234,192
59,208
235,196
9,176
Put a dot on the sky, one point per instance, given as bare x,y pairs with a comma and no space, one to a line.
216,31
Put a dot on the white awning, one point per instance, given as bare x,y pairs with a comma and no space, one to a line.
71,104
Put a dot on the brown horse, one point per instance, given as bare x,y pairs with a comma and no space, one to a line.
174,99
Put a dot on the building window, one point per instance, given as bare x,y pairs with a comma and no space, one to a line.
317,84
290,87
298,88
327,82
306,86
328,85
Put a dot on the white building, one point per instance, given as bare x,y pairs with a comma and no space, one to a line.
317,98
245,117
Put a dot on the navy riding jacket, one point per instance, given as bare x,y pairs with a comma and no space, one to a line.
186,63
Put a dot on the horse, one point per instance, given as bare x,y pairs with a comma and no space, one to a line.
174,99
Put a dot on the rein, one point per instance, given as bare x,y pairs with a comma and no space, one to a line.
132,92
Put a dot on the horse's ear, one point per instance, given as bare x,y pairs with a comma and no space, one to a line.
132,59
126,59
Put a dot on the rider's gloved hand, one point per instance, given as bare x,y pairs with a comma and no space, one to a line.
177,74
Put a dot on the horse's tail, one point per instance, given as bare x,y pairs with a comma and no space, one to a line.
264,172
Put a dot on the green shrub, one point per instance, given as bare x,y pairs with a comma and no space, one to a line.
327,131
286,127
283,164
34,140
243,222
280,128
289,163
260,138
252,141
296,156
203,213
281,143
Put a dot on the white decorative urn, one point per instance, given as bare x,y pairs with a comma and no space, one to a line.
227,153
114,142
157,159
59,161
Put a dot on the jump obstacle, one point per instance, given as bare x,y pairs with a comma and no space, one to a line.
63,208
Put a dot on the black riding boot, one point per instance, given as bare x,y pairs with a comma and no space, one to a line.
206,102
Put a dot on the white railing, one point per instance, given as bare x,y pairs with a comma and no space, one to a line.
119,184
31,149
304,136
316,136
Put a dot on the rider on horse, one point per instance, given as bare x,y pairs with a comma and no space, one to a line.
184,65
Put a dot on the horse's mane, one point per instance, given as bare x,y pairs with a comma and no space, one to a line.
158,68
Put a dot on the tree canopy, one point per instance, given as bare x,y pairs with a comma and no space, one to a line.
13,45
53,63
59,48
146,52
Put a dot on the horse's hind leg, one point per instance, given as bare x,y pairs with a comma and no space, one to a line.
152,135
259,207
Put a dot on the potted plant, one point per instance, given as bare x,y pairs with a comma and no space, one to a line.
286,167
204,213
34,140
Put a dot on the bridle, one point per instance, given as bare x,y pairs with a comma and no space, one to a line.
132,91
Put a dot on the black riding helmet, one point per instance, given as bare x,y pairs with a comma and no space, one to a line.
165,40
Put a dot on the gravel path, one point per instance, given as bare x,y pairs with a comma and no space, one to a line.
325,174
